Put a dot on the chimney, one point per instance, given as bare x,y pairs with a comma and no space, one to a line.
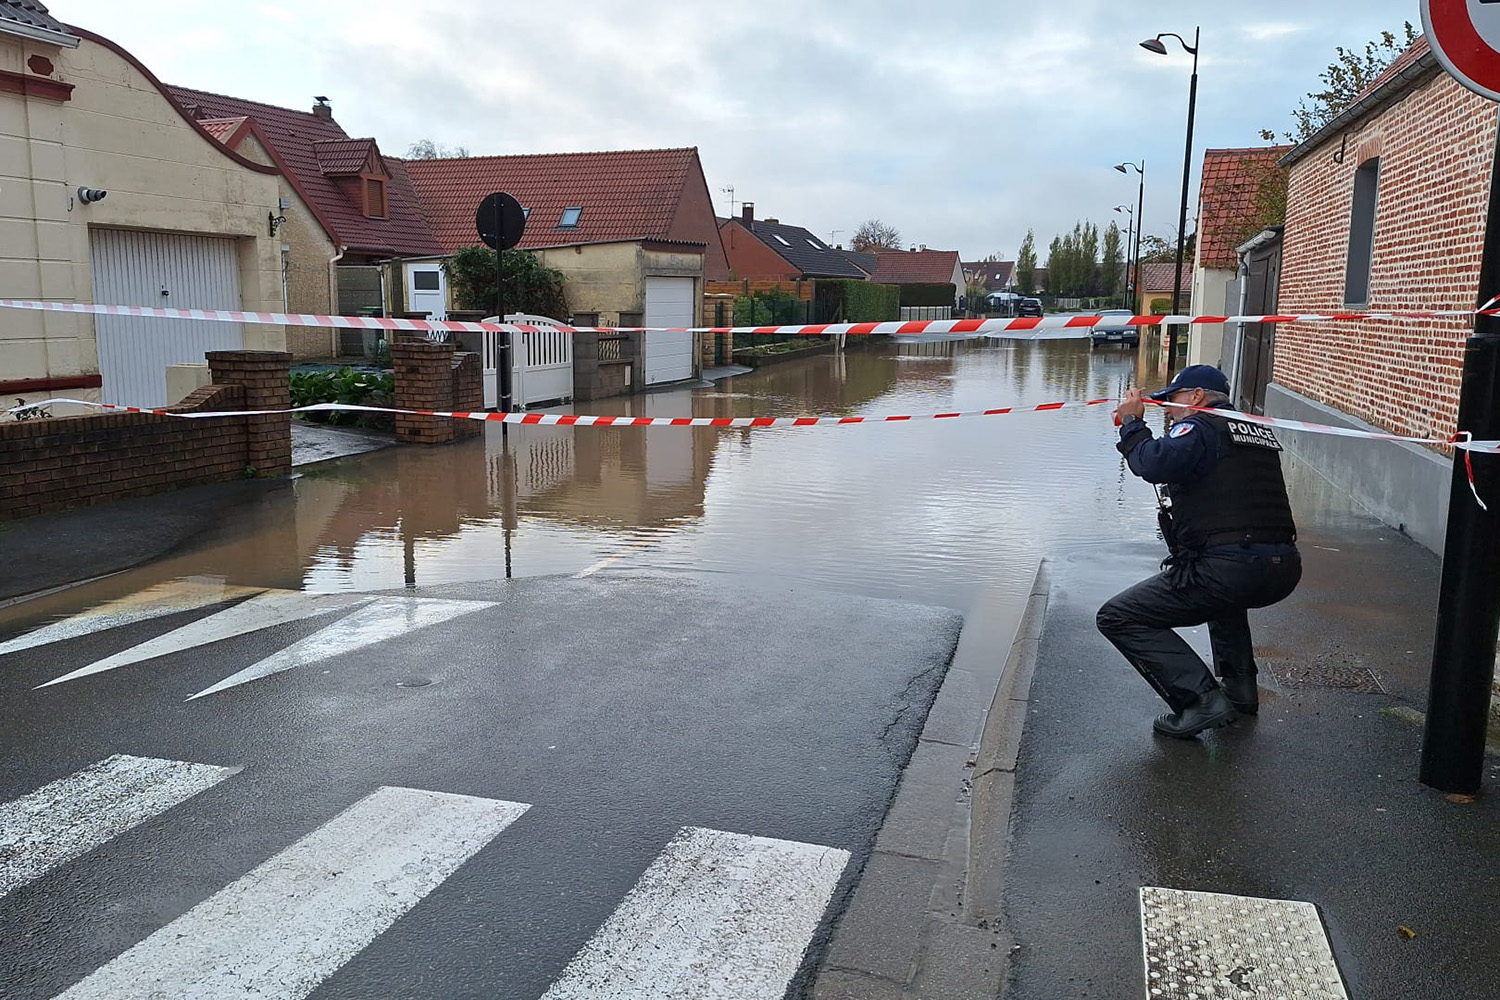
747,212
773,222
322,109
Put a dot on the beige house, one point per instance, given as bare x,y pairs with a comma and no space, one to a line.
109,193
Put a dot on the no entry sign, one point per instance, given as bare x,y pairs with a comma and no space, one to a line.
1465,36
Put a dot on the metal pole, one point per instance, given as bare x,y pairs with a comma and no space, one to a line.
1129,237
502,356
1468,618
1187,167
1140,207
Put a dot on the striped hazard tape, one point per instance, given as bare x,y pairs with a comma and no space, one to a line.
935,327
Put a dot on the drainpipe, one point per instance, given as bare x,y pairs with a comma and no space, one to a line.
333,297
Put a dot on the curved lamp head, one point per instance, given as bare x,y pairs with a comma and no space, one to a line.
1120,167
1154,45
1125,208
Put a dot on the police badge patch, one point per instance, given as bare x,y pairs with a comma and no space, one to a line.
1180,430
1241,432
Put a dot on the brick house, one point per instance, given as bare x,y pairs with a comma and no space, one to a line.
633,231
923,276
761,250
182,220
1154,297
348,210
1228,216
1385,211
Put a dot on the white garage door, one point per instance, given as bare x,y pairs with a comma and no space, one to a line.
669,356
161,270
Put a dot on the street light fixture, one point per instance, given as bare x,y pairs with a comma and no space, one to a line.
1159,47
1129,237
1140,213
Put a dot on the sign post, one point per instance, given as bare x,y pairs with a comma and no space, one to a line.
501,221
1465,37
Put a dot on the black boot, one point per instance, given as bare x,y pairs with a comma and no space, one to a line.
1210,711
1243,694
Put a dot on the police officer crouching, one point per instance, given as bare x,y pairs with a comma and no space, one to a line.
1232,544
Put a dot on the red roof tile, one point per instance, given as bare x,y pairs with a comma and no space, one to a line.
1156,276
221,128
1226,200
342,157
294,137
626,195
916,267
1414,51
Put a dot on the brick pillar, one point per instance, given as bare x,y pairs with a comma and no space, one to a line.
266,377
468,392
424,381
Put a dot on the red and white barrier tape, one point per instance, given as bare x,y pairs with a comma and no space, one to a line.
935,327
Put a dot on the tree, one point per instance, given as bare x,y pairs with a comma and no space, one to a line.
1350,74
1155,250
1109,282
426,149
1056,265
529,286
873,236
1026,264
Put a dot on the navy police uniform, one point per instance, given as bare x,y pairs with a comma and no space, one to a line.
1232,543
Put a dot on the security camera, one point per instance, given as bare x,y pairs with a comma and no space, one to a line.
90,195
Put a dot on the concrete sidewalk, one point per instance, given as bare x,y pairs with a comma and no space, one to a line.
1316,799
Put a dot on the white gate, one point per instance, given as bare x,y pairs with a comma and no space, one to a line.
160,270
541,362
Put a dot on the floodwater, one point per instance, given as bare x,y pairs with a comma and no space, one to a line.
950,512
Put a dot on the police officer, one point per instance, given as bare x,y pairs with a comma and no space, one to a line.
1232,545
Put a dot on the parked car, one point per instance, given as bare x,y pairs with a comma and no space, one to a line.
1029,307
1111,330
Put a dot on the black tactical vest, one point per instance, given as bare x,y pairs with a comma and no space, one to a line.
1243,499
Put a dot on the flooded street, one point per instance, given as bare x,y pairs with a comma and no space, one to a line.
935,512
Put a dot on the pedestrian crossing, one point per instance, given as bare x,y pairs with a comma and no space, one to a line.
719,914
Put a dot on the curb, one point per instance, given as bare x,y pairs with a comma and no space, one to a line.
924,920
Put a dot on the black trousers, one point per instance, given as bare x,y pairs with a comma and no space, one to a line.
1211,587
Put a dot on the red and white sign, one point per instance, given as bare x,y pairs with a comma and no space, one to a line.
1465,36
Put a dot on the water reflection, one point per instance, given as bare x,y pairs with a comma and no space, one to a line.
932,511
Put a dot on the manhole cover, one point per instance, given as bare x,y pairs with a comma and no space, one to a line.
1333,670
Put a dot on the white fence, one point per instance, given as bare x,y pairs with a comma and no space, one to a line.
541,362
911,314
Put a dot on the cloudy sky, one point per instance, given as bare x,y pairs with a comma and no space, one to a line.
960,124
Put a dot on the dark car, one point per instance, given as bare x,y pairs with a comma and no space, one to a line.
1111,330
1029,307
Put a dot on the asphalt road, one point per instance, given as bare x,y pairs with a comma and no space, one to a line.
542,788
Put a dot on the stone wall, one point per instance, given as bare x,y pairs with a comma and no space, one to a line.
436,377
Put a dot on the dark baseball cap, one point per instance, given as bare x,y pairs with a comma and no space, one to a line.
1205,377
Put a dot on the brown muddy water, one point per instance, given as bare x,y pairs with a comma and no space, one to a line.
950,512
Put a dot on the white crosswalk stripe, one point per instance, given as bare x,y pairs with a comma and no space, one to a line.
166,599
72,816
719,915
279,931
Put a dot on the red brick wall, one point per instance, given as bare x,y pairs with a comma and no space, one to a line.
436,377
1435,150
750,258
60,463
697,222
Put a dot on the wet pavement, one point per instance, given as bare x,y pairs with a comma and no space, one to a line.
676,597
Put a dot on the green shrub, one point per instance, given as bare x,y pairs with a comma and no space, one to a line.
530,287
853,301
354,388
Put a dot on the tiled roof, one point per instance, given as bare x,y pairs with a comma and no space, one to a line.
1226,199
294,137
993,274
915,267
866,262
1156,276
341,157
222,128
30,14
624,195
805,251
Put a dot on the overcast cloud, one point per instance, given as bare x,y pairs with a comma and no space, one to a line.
960,124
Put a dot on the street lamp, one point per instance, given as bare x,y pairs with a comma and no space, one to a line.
1129,236
1159,47
1140,208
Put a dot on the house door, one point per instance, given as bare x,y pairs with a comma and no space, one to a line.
427,290
162,270
1257,345
669,354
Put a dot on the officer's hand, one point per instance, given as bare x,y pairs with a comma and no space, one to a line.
1132,408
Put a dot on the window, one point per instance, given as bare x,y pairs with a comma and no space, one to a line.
781,239
570,218
424,281
1362,234
374,198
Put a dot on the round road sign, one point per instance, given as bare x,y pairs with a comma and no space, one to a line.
1465,36
500,221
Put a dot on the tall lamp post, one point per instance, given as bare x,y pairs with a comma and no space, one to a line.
1129,242
1140,208
1159,47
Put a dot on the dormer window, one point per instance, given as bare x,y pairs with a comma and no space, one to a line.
570,217
376,205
